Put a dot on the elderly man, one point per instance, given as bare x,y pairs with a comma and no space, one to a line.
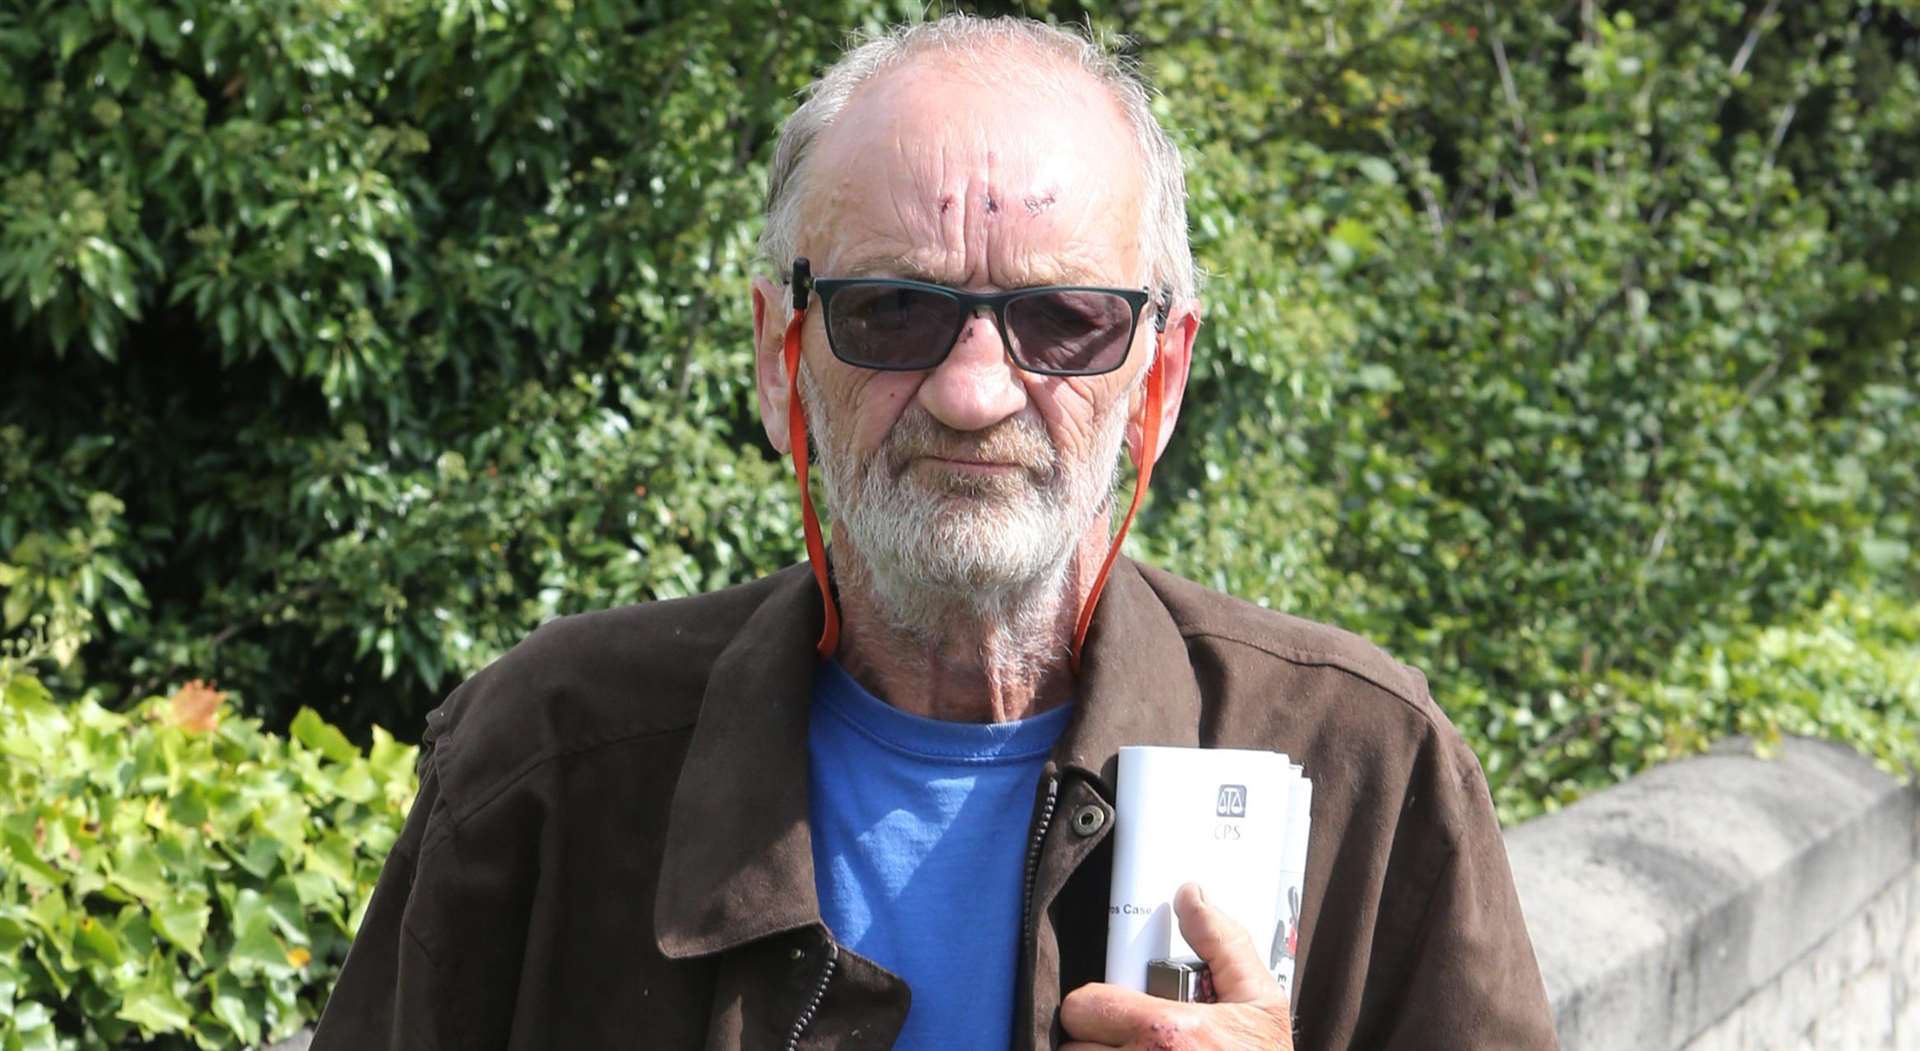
868,802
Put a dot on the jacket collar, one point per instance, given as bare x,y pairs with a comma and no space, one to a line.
1137,684
738,863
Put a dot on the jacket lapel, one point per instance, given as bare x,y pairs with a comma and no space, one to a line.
1136,688
1136,684
738,864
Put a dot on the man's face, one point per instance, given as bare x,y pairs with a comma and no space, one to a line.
974,476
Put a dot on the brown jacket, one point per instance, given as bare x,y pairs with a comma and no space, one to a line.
610,845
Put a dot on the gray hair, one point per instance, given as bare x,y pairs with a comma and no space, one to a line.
1163,223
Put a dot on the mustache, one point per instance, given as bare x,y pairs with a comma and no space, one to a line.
1018,440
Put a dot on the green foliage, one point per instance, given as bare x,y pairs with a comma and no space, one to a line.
175,875
395,328
1550,344
1849,671
69,569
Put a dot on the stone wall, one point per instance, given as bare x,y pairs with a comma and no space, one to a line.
1730,902
1860,987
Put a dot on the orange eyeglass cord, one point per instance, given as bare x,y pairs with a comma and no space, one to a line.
817,550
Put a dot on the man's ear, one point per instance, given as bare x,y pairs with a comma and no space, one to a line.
1175,347
770,316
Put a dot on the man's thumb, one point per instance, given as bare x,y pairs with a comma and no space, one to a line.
1239,975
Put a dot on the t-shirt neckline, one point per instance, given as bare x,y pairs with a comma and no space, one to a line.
842,695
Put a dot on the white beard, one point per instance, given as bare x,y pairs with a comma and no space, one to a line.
939,550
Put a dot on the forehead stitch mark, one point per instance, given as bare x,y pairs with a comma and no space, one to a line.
1036,204
946,204
993,204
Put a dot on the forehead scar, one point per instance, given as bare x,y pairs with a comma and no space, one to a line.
993,204
946,204
1036,204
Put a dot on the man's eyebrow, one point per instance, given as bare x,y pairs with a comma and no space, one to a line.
889,266
907,267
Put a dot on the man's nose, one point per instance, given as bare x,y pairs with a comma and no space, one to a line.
977,385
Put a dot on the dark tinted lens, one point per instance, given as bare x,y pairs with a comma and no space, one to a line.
892,327
1070,331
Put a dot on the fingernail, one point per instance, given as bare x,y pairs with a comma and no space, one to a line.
1200,892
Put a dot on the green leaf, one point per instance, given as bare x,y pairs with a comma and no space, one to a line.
13,935
260,856
94,939
285,909
151,1004
355,783
137,871
26,861
239,1008
26,695
332,855
183,921
390,759
1378,171
256,952
314,732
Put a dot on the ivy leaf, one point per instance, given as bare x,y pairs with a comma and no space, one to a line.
183,921
311,730
256,952
284,908
389,759
151,1004
12,936
239,1008
94,939
26,861
138,872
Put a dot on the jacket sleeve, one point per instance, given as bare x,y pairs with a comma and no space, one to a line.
1471,979
381,998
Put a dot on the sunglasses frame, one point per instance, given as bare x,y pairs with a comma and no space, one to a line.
803,282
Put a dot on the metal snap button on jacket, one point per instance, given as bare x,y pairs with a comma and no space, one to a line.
1089,819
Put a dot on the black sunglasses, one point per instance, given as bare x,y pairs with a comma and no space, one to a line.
900,325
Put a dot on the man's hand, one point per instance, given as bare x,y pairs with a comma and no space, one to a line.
1251,1014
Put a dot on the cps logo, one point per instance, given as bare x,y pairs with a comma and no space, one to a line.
1231,802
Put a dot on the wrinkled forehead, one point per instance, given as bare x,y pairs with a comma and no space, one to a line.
998,175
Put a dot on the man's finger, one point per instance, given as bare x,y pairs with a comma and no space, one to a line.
1106,1014
1239,973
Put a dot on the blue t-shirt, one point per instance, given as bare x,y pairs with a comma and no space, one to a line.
919,851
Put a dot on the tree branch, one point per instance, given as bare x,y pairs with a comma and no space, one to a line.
1513,104
1435,220
1780,131
1740,58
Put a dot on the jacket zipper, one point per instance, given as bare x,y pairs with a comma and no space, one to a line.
1029,932
1033,862
801,1023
